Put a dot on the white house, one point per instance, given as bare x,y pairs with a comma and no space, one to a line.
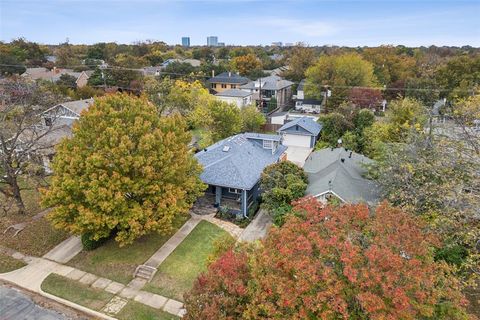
306,105
239,97
280,118
301,132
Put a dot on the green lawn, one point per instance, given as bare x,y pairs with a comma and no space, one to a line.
138,311
115,263
177,273
8,263
76,292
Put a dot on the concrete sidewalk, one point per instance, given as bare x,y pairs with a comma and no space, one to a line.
258,228
65,251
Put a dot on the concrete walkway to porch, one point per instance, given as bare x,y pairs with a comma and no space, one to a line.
258,228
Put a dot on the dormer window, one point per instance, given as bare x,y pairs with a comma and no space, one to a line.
48,122
296,127
267,144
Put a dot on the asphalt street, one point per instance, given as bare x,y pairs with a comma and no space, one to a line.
15,305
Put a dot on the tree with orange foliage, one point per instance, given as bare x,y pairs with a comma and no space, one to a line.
332,263
246,64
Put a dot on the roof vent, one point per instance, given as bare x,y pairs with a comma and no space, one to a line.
350,154
343,160
226,148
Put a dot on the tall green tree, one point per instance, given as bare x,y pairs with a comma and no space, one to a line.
125,170
340,73
252,119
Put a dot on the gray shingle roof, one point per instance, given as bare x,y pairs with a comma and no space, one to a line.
236,162
326,172
229,77
268,83
234,93
78,106
306,123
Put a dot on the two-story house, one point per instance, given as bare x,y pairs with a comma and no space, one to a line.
226,81
271,87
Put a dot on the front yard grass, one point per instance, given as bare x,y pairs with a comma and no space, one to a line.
36,239
118,264
138,311
177,273
8,263
76,292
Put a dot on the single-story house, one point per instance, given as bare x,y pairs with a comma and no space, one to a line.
339,172
57,124
232,168
225,81
300,132
306,105
55,74
239,97
65,113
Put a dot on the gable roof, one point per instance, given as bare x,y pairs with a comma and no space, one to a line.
328,173
306,123
229,77
236,162
234,93
78,106
51,75
268,83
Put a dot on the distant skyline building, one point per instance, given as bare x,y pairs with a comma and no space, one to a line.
221,44
212,41
277,44
186,41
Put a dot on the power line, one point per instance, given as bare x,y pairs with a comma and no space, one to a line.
205,77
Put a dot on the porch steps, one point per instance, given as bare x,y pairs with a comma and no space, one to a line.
145,272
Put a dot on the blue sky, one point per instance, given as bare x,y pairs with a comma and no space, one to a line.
243,22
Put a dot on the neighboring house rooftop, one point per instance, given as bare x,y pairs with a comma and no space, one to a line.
268,83
306,123
78,106
229,77
50,75
327,172
234,93
236,162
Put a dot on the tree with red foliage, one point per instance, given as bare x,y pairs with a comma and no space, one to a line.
365,97
332,263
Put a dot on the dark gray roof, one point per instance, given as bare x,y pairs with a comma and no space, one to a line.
268,83
306,123
236,162
327,173
229,77
234,93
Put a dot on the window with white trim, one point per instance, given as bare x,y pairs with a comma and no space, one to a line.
267,144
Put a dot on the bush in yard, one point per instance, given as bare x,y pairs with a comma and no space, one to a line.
332,263
91,244
282,183
125,169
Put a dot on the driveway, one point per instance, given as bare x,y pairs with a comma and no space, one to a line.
298,155
258,228
16,305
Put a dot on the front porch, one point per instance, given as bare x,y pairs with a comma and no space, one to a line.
235,201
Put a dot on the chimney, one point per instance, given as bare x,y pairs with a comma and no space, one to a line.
213,73
229,74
